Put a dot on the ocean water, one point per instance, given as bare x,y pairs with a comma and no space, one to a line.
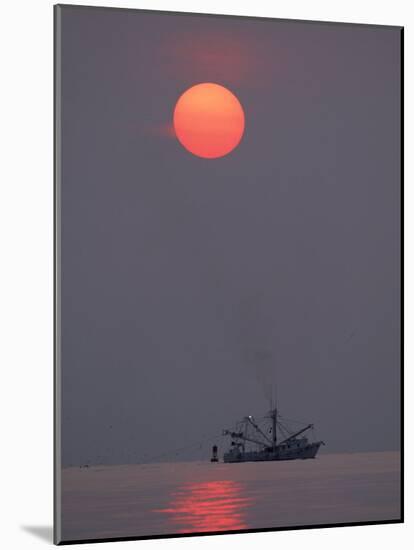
194,497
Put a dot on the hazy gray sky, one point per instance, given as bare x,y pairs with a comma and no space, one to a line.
190,285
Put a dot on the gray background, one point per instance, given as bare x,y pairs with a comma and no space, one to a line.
191,286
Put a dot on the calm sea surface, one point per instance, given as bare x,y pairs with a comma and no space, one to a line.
153,499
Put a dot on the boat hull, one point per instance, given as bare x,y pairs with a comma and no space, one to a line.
307,451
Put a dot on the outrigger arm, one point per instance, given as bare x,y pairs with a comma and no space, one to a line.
296,434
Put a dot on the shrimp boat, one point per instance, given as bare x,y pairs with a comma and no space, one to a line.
251,442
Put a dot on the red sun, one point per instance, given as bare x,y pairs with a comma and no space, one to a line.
208,120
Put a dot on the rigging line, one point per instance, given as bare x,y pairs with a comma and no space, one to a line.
286,428
284,431
283,427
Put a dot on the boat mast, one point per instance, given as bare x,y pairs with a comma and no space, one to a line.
273,415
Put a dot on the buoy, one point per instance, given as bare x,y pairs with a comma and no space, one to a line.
214,457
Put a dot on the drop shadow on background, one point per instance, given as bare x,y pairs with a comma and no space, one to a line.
43,532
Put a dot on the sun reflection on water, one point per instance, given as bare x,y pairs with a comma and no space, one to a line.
209,506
